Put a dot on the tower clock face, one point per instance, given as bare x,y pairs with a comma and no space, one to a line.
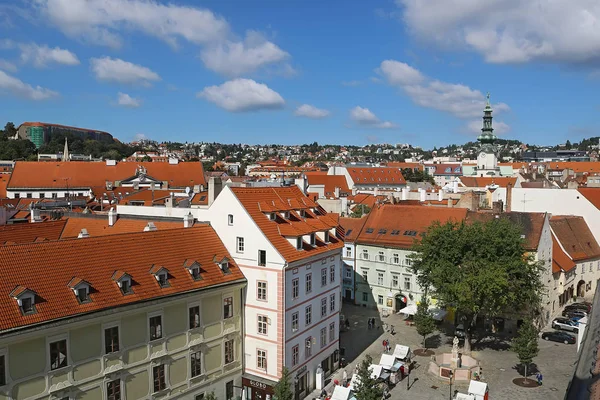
482,155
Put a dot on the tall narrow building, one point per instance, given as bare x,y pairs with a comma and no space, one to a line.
487,161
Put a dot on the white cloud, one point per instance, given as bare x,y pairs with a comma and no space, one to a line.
365,117
116,70
241,95
510,31
41,56
125,100
19,88
99,21
500,128
7,65
309,111
233,58
457,99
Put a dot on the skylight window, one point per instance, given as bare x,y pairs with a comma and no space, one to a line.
369,230
410,233
395,232
382,231
348,232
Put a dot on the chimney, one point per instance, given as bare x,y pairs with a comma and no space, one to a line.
508,196
188,221
404,193
423,193
376,192
455,186
112,216
83,234
35,215
337,192
214,188
150,227
440,195
450,205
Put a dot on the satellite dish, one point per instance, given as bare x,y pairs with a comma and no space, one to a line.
187,190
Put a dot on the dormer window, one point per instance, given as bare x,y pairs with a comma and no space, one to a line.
195,272
81,289
285,214
223,265
123,280
25,299
193,268
303,213
272,216
299,244
161,274
326,237
82,295
313,240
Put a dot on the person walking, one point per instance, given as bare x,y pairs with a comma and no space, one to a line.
344,378
539,378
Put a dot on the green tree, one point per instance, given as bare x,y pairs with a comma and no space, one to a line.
424,321
283,388
525,344
366,387
360,210
480,268
10,130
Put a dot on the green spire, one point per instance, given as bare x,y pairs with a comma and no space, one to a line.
487,132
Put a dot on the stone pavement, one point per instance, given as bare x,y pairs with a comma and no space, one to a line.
555,361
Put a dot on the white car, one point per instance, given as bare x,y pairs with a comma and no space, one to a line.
565,324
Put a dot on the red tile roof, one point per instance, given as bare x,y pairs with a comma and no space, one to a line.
376,176
47,268
576,166
330,182
560,260
99,226
257,201
84,174
474,182
392,225
352,227
592,194
405,165
3,182
28,233
531,224
448,169
575,237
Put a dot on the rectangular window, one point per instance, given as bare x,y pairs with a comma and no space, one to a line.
308,315
29,195
194,317
261,359
348,252
155,327
332,331
295,355
324,277
111,340
332,273
42,195
229,390
323,306
230,219
407,283
323,340
381,256
408,262
396,258
365,274
295,321
262,324
308,283
54,195
58,354
17,195
229,355
380,278
348,273
365,254
308,348
113,390
380,300
196,363
295,288
261,290
27,305
240,245
395,281
228,307
332,302
2,370
365,297
299,244
262,258
158,377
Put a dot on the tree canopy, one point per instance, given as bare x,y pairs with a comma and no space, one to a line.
424,321
283,388
525,344
478,268
360,210
367,388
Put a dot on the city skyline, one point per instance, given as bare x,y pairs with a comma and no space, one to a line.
351,73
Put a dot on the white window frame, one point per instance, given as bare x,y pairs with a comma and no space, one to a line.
308,283
296,316
295,355
332,273
196,349
407,282
395,280
380,300
58,338
262,320
380,278
239,244
348,252
264,357
223,297
348,273
332,302
381,256
189,306
109,325
323,277
296,289
323,337
265,289
331,332
324,306
308,315
396,258
162,325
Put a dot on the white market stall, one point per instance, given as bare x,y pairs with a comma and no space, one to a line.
377,372
342,393
410,309
402,353
478,389
392,365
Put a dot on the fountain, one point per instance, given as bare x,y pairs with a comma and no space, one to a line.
454,364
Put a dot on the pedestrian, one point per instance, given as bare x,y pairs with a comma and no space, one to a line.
539,378
345,378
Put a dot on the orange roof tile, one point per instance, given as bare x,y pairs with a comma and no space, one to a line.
3,182
399,226
28,233
560,260
576,166
531,224
352,227
592,194
376,176
99,226
83,174
448,169
575,237
406,165
47,268
252,199
474,182
330,182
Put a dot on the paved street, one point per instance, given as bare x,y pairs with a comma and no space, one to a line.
555,361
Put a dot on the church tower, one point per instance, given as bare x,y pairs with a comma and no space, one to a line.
487,162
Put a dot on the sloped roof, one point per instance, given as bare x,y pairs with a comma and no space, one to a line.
575,237
399,226
404,165
576,166
3,182
352,227
48,267
560,260
592,194
448,169
474,182
257,201
29,233
86,174
99,226
376,176
330,182
531,224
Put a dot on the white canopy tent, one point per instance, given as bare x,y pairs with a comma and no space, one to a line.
377,372
462,396
401,352
410,309
342,393
478,389
390,363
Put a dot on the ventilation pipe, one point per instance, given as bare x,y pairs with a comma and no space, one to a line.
188,221
112,216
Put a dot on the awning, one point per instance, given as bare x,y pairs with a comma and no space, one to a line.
477,388
377,372
342,393
401,352
354,381
410,309
462,396
387,361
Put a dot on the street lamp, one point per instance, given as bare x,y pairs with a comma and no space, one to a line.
450,373
407,377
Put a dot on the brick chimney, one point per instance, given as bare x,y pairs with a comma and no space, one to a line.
508,196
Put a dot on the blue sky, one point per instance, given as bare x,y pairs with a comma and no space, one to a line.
267,71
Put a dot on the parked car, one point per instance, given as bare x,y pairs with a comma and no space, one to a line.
565,324
574,314
578,306
557,336
586,304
